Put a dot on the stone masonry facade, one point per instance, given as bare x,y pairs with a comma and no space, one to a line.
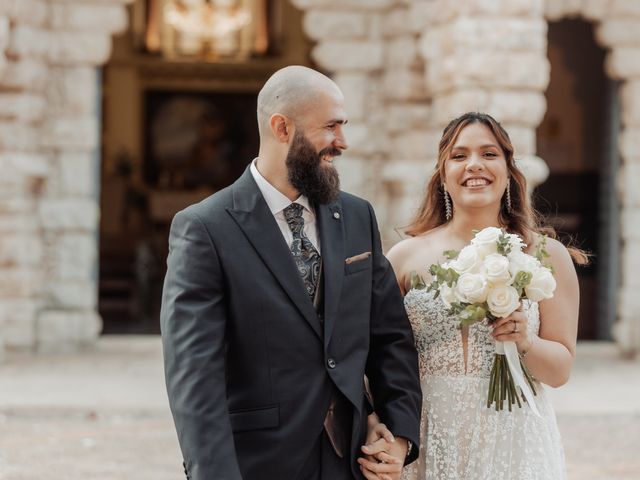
406,68
49,139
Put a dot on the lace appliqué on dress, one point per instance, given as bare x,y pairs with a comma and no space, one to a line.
462,439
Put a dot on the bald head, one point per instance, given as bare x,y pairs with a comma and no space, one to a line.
291,91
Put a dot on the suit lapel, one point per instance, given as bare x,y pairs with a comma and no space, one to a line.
253,216
332,244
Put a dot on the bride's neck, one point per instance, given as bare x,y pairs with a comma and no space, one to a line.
464,223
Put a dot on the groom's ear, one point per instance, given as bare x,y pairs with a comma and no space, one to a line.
281,127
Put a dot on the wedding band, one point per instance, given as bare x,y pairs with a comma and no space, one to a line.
515,326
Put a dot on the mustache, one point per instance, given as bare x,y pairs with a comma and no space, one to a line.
332,151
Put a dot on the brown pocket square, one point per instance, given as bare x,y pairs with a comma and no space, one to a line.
357,258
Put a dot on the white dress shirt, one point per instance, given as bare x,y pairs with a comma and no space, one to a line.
277,202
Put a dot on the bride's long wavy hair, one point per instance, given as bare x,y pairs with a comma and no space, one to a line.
521,218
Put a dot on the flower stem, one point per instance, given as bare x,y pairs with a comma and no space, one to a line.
492,381
505,369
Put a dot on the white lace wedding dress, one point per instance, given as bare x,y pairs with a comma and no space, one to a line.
462,439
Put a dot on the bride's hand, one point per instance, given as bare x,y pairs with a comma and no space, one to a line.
513,329
378,464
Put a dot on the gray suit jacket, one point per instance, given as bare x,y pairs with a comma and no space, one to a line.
249,364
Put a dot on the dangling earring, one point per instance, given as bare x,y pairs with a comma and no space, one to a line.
448,210
508,197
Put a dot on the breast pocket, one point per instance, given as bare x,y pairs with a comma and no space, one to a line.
359,266
255,419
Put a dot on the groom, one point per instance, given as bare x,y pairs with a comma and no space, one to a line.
277,301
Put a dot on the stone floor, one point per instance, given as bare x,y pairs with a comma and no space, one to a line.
103,415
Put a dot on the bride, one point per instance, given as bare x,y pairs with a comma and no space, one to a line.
476,184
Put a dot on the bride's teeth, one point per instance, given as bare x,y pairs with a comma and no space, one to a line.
476,182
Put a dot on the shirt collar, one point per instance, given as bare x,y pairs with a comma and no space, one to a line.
276,200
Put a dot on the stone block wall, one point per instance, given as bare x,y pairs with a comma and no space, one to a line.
50,51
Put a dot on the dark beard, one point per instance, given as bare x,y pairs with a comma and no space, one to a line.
319,183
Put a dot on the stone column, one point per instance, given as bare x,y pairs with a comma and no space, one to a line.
24,167
80,33
350,48
412,140
488,57
49,136
620,31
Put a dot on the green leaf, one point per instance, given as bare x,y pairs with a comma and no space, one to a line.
471,314
541,252
457,307
417,282
541,248
450,276
444,275
451,254
504,247
521,280
434,287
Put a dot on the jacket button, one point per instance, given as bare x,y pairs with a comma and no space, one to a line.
331,363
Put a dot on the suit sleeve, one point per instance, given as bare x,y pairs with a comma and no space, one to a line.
392,365
193,321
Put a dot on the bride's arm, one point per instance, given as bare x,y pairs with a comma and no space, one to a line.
397,257
549,356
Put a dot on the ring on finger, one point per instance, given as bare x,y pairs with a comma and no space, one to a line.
515,327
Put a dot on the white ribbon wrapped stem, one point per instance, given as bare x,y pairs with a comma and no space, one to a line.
509,350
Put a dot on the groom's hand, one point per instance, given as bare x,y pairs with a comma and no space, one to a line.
384,454
390,467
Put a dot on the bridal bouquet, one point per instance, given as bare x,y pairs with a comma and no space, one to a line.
489,278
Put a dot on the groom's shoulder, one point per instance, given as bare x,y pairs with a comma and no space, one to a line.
211,207
356,205
349,200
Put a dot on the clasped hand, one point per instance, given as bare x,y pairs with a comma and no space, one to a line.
384,454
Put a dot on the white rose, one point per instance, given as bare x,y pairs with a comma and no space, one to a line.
487,240
503,301
472,288
542,285
521,262
468,260
497,269
516,242
447,295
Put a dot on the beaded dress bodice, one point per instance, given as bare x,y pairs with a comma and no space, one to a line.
462,439
439,341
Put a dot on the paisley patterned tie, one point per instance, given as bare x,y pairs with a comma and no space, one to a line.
304,253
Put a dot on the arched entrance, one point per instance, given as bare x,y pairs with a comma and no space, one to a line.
578,140
615,26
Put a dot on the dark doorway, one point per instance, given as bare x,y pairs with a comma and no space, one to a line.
194,145
577,139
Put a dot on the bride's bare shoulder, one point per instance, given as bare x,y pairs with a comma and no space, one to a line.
419,246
